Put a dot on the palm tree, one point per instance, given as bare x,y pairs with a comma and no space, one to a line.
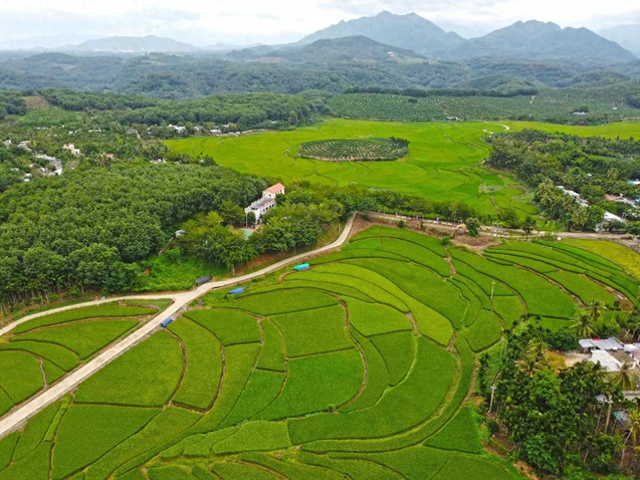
582,326
623,378
579,218
634,430
529,365
595,310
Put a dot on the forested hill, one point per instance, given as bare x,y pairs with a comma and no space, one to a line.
332,66
84,228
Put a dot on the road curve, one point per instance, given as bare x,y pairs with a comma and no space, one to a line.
180,300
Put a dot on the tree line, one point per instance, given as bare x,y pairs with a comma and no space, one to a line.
594,167
86,228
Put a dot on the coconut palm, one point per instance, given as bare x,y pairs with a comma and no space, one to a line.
583,326
623,378
579,218
595,310
633,417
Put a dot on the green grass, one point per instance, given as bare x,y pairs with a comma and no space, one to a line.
231,471
375,232
583,288
336,274
317,383
35,431
460,434
64,358
83,338
228,326
172,271
439,155
616,253
272,356
21,375
239,363
34,466
255,436
156,363
107,310
474,468
401,408
485,331
417,254
397,350
421,284
7,447
377,375
89,431
169,423
314,331
261,390
373,319
283,302
510,309
204,364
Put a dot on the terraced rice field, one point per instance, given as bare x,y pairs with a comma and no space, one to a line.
39,352
359,367
355,150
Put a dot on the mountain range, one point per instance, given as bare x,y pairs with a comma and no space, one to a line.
627,36
527,40
390,37
150,43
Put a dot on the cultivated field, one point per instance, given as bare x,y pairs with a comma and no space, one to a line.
355,150
39,352
443,161
359,367
554,104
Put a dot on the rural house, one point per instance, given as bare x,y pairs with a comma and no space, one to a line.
266,203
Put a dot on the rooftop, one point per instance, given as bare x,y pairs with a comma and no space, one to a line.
275,188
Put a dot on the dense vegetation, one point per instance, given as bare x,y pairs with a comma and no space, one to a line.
594,167
84,228
355,150
554,417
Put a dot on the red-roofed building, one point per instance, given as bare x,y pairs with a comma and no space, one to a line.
272,191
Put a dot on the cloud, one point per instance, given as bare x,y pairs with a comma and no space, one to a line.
276,21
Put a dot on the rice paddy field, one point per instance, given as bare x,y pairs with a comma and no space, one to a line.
360,367
444,160
37,353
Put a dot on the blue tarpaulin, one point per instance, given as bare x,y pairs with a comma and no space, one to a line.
303,266
236,291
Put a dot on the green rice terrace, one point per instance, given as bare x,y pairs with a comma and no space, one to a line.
39,352
359,367
369,149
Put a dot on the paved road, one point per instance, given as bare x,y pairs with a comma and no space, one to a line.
180,301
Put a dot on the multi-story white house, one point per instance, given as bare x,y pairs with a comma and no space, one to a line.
267,202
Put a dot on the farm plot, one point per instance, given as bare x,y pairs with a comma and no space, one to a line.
39,352
366,377
368,149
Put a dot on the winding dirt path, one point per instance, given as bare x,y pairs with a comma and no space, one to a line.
180,302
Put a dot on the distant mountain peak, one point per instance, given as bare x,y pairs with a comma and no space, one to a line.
148,43
410,32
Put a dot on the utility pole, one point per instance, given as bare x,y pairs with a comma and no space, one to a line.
493,287
493,389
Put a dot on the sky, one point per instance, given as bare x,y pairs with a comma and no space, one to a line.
242,22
